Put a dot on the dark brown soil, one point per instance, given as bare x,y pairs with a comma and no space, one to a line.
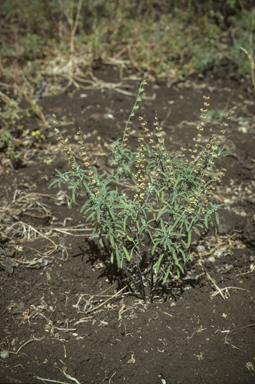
59,315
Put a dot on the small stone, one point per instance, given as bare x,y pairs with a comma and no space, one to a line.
223,229
95,117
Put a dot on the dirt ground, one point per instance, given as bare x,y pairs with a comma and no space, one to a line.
63,317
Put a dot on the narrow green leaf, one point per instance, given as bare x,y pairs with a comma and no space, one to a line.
196,230
174,256
188,256
87,210
124,223
121,232
98,214
161,212
217,218
54,182
60,174
112,240
154,247
167,273
183,254
112,213
101,242
158,263
85,205
126,253
162,225
90,216
180,267
189,239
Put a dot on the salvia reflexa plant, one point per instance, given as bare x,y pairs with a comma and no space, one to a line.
170,202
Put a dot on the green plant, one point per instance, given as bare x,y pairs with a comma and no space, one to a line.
8,119
243,37
250,54
6,138
11,113
10,126
33,104
171,200
34,29
13,155
7,144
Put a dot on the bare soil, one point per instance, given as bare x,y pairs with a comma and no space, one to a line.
63,316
